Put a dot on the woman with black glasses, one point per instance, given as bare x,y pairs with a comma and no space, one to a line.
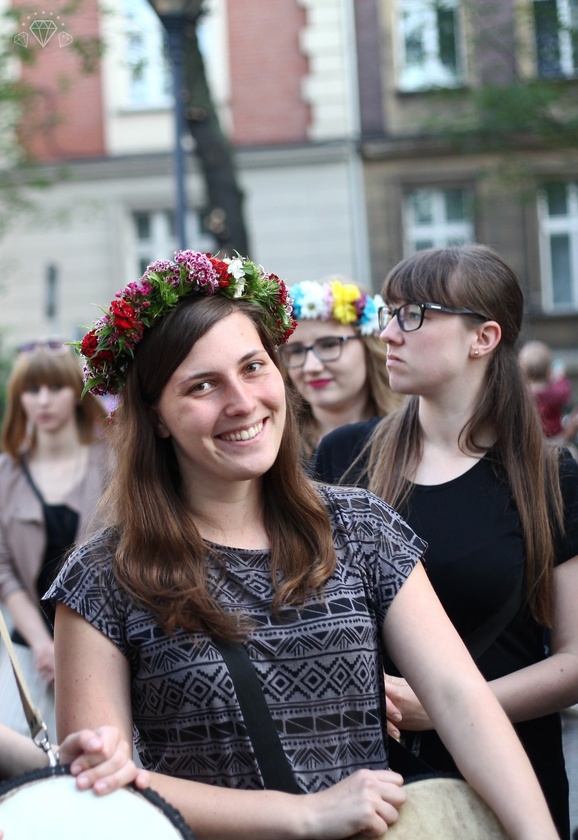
467,465
334,358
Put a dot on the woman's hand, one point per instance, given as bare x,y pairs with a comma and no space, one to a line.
101,760
365,803
403,709
44,660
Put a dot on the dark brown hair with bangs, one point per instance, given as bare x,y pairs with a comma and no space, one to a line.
161,558
37,368
475,277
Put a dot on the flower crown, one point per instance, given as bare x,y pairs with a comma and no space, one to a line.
325,300
108,348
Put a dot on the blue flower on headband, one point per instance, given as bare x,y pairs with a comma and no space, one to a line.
331,299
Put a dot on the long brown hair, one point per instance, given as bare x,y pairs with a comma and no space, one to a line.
381,399
474,277
41,367
161,557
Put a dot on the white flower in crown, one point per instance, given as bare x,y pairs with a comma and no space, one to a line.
237,269
311,300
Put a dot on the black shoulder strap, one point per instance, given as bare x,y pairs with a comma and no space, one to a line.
275,769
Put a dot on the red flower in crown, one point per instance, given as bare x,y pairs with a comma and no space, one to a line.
222,269
124,315
89,344
109,345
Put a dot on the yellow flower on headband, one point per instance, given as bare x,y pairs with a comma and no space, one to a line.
344,297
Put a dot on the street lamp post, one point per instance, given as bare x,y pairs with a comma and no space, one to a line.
173,17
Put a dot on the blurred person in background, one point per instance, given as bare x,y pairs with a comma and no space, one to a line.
550,387
335,359
52,474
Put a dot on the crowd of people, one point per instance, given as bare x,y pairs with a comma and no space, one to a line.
346,500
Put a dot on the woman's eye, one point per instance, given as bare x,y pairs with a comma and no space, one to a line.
200,387
328,343
253,367
292,350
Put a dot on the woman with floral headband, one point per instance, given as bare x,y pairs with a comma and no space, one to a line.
219,550
51,477
335,359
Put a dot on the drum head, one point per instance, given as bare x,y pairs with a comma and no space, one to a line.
444,808
47,805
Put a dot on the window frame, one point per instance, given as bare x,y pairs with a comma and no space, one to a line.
433,72
442,232
548,226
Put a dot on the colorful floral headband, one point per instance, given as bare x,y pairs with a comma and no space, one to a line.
109,346
325,300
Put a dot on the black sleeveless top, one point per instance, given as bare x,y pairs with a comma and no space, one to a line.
61,523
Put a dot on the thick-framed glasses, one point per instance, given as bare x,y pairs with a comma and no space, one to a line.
327,349
410,316
52,345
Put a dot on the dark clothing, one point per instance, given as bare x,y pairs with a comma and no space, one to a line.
61,523
476,562
319,665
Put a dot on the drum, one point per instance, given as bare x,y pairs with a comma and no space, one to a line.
442,807
47,805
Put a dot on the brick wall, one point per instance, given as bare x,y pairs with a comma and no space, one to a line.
267,68
64,116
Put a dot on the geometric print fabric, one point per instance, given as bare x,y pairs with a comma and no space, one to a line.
319,666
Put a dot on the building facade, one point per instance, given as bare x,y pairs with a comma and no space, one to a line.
351,122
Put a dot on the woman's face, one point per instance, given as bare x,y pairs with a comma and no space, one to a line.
49,408
432,358
224,407
334,386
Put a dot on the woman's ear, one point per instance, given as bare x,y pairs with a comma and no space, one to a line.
158,423
487,337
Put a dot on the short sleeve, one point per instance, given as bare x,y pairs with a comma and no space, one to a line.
87,585
376,539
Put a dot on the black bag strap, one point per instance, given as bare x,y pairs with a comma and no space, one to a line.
273,764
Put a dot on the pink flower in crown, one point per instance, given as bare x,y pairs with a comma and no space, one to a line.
201,271
360,304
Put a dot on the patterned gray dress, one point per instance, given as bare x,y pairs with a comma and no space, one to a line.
320,666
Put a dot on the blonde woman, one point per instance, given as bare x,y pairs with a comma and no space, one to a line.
52,473
335,359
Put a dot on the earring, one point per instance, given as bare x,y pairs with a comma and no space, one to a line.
476,352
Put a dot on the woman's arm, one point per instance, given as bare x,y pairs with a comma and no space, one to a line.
99,759
93,686
552,684
424,644
28,620
537,690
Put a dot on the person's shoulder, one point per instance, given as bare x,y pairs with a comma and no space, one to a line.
350,498
352,433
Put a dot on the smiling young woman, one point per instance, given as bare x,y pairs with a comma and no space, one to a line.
217,542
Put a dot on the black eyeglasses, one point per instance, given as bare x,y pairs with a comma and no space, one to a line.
49,346
328,349
410,316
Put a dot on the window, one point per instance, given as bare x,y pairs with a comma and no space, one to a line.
155,237
437,218
429,44
558,215
150,78
556,31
